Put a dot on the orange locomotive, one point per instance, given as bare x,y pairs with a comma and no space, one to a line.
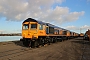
87,35
35,33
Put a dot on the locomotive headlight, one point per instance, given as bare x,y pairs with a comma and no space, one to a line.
24,35
34,37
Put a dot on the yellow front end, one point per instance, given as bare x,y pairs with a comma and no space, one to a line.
29,30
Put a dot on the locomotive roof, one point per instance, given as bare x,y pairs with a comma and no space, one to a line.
51,25
33,20
40,22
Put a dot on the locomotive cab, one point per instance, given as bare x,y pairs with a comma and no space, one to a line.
29,30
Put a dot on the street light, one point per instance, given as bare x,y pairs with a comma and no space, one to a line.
80,30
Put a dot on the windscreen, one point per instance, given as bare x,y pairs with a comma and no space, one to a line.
33,26
25,26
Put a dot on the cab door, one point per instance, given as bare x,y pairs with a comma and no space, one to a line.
41,30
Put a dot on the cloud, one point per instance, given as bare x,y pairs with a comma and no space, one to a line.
83,29
86,27
17,31
10,31
74,15
1,31
88,0
18,10
72,28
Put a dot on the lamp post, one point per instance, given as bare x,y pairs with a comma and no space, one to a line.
80,30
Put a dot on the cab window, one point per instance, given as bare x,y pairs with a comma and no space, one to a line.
25,26
41,27
33,26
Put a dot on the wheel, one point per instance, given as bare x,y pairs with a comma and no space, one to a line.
35,44
43,42
48,41
52,40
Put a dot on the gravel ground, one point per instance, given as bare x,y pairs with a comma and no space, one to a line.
73,49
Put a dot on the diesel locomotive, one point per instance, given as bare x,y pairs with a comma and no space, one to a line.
87,35
36,33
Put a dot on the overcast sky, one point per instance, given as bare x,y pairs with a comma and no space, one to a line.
69,14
